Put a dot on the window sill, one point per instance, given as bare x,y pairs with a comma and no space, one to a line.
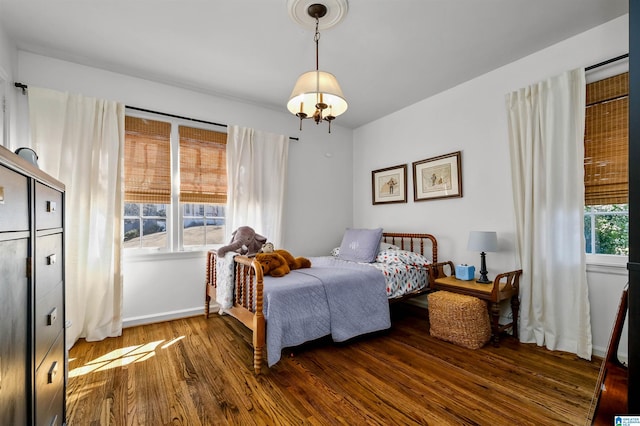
154,255
607,264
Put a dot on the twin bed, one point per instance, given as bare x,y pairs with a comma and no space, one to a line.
337,297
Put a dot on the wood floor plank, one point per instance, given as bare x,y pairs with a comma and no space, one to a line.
198,371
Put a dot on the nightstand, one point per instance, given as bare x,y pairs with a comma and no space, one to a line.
504,286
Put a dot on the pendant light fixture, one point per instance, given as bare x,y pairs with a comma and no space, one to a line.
317,94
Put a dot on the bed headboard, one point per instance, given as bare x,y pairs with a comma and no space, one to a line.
417,243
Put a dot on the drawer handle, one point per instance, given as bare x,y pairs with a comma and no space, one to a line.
51,207
53,372
51,259
52,317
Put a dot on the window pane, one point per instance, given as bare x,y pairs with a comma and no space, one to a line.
611,208
612,234
587,233
150,219
155,210
131,233
215,231
193,233
203,224
154,233
131,209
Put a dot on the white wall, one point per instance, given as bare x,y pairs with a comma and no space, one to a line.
472,118
319,191
8,66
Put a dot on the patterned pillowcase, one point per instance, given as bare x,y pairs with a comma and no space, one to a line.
360,245
402,257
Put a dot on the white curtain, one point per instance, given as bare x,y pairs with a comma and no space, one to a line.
546,132
80,141
257,172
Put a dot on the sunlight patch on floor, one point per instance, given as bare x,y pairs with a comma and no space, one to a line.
122,357
176,340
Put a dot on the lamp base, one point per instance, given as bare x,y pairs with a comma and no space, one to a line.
483,270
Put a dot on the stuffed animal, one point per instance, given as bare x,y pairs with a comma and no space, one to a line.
266,248
273,264
280,262
245,241
294,262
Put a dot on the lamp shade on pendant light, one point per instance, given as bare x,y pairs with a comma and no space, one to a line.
315,87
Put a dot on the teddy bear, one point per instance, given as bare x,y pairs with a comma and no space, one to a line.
280,262
244,240
273,264
294,262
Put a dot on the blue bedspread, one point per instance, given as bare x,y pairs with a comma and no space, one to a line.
333,297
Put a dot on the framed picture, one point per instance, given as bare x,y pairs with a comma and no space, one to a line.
389,185
438,177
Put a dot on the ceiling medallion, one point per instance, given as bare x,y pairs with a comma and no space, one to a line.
336,11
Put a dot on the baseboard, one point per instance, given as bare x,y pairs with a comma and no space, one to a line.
166,316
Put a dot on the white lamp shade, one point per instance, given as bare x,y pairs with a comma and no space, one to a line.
482,241
304,99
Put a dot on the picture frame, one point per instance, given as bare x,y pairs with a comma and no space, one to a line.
389,185
438,177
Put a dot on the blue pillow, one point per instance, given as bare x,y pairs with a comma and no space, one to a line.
360,245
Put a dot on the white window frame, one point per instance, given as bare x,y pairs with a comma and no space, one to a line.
612,263
175,217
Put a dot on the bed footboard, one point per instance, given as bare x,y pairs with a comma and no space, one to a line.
247,300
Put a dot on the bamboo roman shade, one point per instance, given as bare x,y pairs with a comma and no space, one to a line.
606,147
203,166
147,161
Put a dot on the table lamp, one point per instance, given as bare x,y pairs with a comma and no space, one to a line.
483,241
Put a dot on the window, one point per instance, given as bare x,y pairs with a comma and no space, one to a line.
175,185
606,220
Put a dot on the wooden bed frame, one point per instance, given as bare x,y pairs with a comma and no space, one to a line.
249,282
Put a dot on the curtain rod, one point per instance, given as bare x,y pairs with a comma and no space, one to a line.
24,88
607,62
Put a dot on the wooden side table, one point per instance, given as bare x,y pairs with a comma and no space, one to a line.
504,286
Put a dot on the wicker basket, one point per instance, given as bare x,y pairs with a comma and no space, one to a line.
460,319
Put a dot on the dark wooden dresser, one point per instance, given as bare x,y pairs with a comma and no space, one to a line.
33,356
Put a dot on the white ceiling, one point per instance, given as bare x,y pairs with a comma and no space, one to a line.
386,54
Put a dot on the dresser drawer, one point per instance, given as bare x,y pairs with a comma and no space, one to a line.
48,263
14,201
48,207
49,383
48,320
54,416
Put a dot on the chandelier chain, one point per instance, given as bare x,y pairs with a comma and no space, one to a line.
316,38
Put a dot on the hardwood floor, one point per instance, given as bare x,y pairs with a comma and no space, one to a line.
196,371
